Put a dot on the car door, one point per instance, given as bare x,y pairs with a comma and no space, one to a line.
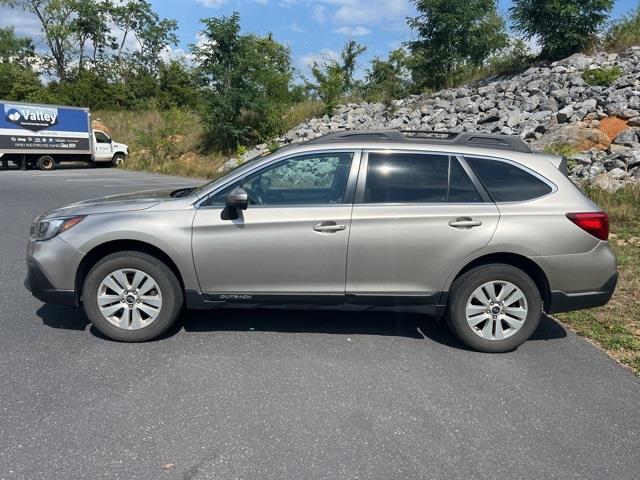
102,146
290,244
415,218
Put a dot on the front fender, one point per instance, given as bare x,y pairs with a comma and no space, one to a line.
168,231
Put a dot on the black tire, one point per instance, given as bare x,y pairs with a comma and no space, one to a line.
172,296
46,162
118,159
462,290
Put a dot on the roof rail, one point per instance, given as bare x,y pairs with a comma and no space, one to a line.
465,139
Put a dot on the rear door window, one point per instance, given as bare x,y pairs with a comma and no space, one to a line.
417,178
506,182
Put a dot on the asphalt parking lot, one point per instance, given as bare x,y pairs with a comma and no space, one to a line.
275,394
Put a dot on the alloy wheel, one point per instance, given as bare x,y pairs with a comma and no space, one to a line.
129,299
496,310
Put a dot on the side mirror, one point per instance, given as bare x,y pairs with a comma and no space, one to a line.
238,198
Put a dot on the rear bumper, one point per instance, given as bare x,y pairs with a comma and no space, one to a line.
41,288
567,302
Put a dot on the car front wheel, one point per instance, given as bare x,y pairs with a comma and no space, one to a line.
132,297
494,308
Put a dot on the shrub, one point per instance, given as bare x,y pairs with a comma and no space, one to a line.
515,58
624,33
164,138
603,77
563,149
623,206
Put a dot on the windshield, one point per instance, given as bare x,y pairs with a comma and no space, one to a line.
248,163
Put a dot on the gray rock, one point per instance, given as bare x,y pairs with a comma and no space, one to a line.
564,114
634,159
628,113
606,182
621,150
627,137
397,123
582,158
547,105
514,118
618,174
578,61
614,163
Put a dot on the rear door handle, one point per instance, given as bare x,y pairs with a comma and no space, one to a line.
464,222
329,227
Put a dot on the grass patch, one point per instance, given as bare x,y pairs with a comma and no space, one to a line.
301,112
602,77
623,206
167,142
616,326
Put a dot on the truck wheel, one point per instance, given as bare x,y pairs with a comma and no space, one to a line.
118,160
46,163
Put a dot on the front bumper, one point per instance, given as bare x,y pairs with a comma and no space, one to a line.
40,287
568,302
51,271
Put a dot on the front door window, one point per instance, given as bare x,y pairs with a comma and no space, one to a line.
313,179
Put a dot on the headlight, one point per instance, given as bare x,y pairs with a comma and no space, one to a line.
48,229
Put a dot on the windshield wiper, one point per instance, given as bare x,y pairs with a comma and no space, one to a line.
182,192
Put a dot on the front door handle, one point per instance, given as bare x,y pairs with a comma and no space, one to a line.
464,222
328,227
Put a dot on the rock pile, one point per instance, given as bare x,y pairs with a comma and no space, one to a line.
550,105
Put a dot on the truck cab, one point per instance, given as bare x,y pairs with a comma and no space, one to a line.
106,150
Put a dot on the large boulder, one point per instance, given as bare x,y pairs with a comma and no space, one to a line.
607,182
578,136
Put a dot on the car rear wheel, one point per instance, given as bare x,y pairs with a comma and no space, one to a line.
46,163
494,308
132,297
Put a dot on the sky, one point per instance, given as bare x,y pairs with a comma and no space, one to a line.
313,29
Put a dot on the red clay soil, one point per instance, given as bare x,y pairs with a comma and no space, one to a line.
613,126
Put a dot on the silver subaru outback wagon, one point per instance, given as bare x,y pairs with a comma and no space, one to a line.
470,226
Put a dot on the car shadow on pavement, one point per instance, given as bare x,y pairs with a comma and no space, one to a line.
56,316
415,326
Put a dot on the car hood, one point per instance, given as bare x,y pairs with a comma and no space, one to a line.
127,202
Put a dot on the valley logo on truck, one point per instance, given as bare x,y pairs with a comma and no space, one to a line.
31,117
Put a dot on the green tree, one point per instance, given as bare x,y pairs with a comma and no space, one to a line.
350,53
177,86
75,30
563,27
136,19
246,80
388,79
90,26
14,49
453,34
17,80
56,20
329,83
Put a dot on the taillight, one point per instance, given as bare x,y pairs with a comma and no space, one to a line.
595,223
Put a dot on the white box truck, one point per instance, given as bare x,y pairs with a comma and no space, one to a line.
44,135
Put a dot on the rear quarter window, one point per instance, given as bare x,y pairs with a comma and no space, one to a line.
506,182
